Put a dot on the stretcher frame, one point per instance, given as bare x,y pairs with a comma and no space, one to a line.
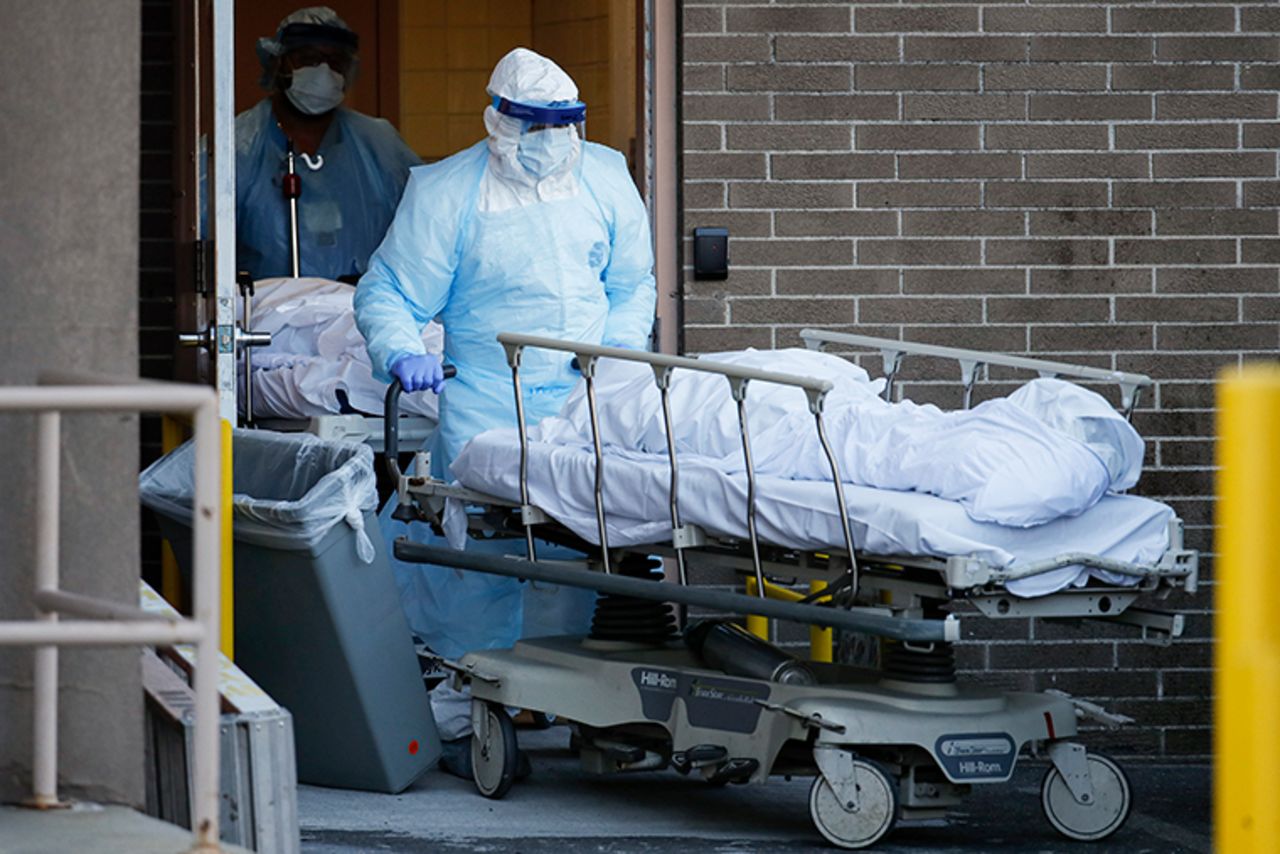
883,744
353,427
897,584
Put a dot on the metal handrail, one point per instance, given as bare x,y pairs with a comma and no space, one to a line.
662,365
118,624
892,351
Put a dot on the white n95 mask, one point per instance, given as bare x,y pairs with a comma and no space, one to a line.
315,89
544,151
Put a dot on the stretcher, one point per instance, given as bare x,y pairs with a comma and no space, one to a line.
313,374
890,733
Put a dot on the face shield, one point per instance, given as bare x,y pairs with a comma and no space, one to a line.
551,134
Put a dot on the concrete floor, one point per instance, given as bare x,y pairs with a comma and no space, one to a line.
561,808
91,828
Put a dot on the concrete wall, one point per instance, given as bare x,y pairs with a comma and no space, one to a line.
69,84
1090,181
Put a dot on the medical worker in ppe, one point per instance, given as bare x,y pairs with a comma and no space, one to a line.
531,230
353,167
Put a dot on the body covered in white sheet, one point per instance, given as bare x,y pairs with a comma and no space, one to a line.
316,352
1050,449
1055,426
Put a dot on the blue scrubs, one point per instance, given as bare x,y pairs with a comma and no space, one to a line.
345,207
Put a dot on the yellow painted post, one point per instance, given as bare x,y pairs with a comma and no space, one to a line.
228,610
757,625
1247,653
820,639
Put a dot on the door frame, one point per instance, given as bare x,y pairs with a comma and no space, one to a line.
658,102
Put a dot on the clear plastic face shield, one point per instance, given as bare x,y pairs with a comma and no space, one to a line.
551,135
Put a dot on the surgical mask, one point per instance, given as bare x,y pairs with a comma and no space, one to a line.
315,89
542,152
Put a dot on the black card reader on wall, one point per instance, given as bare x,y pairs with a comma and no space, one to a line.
711,253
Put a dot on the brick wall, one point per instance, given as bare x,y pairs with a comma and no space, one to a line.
1085,181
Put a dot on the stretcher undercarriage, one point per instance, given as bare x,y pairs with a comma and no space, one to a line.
889,734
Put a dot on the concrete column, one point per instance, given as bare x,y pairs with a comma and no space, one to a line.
69,151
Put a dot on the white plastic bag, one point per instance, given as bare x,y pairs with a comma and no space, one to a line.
290,489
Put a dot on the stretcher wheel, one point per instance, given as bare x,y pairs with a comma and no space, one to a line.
1103,816
495,753
874,816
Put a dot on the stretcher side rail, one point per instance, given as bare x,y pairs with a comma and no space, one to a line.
1180,564
892,352
663,365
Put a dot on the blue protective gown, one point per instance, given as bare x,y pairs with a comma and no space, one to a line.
578,269
345,206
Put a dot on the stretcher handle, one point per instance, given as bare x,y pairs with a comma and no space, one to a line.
391,423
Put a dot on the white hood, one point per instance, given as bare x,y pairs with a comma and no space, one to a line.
527,78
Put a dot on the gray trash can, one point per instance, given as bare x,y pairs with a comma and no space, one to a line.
318,619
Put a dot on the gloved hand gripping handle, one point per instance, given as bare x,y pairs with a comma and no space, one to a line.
391,423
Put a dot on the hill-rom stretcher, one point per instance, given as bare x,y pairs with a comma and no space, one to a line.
890,733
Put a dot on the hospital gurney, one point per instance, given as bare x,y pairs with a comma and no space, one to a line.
904,740
313,374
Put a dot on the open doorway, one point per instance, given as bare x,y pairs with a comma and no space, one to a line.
424,67
424,64
445,60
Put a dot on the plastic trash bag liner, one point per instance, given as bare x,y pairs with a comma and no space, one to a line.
290,489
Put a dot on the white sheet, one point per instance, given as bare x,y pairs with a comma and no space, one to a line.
1024,460
317,352
803,514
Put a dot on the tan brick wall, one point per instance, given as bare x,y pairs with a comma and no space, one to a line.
1095,182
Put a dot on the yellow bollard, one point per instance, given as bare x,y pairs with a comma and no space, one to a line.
1247,653
757,625
820,639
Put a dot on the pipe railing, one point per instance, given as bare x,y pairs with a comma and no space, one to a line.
663,365
893,351
114,624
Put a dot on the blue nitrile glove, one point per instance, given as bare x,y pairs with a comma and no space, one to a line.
419,373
